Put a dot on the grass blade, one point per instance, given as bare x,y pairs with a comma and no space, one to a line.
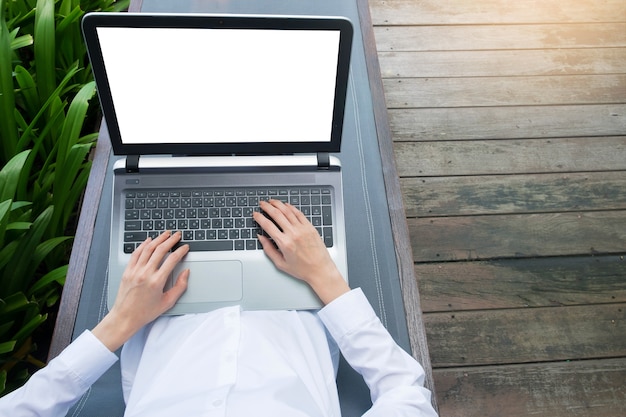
57,275
8,130
10,174
5,210
22,274
45,47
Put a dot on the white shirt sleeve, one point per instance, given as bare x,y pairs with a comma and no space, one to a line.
55,388
395,379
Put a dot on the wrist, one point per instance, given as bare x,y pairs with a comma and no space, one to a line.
113,332
330,287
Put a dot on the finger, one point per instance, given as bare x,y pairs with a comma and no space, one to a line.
163,249
172,260
178,289
270,250
274,209
285,209
266,224
151,246
134,258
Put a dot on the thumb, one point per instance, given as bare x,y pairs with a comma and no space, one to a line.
178,289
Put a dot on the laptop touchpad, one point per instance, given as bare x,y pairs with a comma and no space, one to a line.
212,281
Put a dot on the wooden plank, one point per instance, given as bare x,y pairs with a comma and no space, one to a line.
504,194
508,122
410,294
538,335
517,236
451,12
480,157
497,36
505,91
520,283
564,389
503,63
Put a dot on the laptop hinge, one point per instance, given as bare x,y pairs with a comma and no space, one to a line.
132,163
323,160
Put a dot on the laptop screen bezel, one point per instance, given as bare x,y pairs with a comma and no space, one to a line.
92,21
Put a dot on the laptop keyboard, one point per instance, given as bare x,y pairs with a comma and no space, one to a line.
218,219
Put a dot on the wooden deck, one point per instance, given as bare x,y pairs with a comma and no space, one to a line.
509,128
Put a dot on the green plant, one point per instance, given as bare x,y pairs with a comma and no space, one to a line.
47,125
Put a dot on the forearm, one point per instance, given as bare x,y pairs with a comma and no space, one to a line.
395,379
55,388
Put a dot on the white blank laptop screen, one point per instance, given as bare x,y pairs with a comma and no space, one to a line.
187,85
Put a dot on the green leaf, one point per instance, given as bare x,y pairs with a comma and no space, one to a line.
53,114
5,211
44,248
21,42
28,90
29,327
14,303
19,279
7,347
10,174
3,381
74,119
6,254
45,47
8,131
57,275
19,226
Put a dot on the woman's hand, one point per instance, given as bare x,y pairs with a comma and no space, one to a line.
140,298
301,252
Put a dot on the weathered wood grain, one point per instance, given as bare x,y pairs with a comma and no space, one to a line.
410,294
498,36
513,63
509,131
504,194
520,283
402,93
521,236
540,334
450,12
593,388
508,122
480,157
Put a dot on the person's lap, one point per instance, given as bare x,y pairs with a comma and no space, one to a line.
180,356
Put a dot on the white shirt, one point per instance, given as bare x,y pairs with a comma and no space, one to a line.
233,363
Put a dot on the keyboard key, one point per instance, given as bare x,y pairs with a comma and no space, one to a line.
135,236
209,245
132,225
328,236
327,215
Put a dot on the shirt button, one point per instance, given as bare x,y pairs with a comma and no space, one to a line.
218,403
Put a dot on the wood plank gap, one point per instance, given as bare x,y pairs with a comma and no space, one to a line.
556,389
530,335
517,236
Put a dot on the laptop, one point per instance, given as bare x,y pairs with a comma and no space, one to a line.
210,114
